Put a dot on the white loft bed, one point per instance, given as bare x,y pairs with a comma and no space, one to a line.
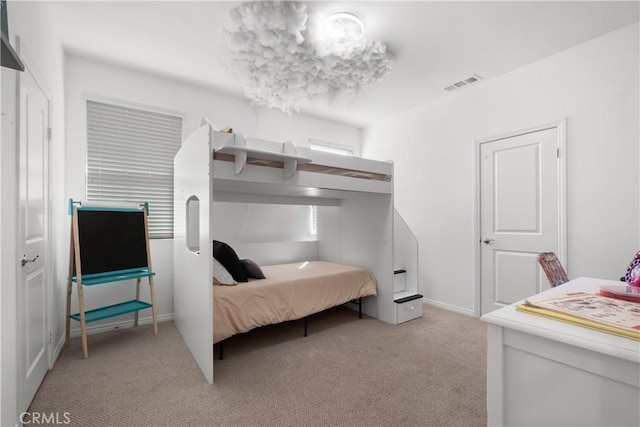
214,166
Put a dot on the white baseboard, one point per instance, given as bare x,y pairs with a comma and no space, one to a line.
449,307
427,301
108,327
55,352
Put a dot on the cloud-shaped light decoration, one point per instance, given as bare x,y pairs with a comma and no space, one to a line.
276,51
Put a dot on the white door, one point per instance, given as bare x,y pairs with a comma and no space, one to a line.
520,214
33,229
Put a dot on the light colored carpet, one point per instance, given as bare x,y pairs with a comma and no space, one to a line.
348,372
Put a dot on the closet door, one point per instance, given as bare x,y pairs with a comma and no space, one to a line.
34,279
520,214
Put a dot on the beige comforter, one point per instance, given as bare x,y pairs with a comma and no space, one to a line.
290,291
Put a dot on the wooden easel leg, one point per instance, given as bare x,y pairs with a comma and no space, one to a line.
74,266
151,290
153,306
83,324
67,340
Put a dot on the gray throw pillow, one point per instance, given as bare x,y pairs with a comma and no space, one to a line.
253,270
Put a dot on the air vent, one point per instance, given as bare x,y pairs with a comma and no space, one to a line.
462,83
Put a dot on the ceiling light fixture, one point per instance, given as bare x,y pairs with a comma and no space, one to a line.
280,55
342,28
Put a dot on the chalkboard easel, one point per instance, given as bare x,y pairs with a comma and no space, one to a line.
108,244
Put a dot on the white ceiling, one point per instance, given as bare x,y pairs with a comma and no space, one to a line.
434,44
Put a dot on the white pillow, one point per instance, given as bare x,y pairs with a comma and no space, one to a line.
220,275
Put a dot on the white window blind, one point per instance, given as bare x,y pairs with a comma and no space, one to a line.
130,158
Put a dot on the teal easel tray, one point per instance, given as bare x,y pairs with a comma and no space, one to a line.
112,310
114,276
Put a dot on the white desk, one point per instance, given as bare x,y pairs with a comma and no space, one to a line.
542,372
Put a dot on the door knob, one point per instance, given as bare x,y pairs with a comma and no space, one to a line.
488,241
25,260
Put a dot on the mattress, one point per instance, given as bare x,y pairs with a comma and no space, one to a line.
289,292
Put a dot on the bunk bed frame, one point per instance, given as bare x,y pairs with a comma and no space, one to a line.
215,166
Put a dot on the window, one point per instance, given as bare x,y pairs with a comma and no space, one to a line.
313,212
328,147
130,158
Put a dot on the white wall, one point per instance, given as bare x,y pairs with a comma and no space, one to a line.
595,86
85,78
42,53
260,223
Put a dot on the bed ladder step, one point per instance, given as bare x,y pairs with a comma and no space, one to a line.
408,307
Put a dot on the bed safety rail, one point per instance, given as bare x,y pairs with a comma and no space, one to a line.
289,156
243,151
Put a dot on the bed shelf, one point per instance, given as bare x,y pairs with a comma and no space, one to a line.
241,153
112,310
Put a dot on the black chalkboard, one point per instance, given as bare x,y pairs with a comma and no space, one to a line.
111,240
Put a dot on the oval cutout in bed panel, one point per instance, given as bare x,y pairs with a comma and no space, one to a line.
193,225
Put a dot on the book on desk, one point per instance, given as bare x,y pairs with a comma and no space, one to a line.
611,315
625,292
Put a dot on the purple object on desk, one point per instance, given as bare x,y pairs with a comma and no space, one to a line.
633,272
